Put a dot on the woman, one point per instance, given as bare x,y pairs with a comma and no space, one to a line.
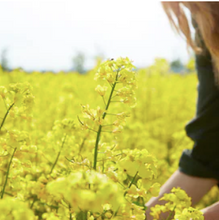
199,168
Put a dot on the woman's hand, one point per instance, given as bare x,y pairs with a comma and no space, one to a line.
195,187
211,212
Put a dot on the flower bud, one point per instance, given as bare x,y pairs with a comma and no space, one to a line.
101,89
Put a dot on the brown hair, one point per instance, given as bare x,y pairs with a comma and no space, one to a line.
206,15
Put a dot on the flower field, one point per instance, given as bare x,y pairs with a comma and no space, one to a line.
94,146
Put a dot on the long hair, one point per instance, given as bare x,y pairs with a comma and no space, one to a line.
206,15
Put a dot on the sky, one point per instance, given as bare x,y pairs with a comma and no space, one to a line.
46,35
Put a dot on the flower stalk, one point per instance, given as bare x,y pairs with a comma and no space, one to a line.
132,181
7,173
171,213
6,114
100,126
57,158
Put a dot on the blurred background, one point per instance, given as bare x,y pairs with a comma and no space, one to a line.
71,35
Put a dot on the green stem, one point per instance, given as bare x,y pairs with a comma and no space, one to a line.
82,144
34,200
70,215
171,213
133,179
6,178
6,114
7,193
96,147
110,97
100,127
57,158
51,206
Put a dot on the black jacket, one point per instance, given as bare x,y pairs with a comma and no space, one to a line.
203,129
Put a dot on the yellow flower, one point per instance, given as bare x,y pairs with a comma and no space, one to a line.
155,189
118,129
101,89
3,91
130,100
129,167
15,209
190,213
145,172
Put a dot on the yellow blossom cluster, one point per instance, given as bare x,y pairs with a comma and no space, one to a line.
178,204
87,191
12,209
18,100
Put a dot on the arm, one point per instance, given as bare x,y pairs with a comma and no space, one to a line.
195,187
211,212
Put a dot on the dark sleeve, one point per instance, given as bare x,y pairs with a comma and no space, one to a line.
203,129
